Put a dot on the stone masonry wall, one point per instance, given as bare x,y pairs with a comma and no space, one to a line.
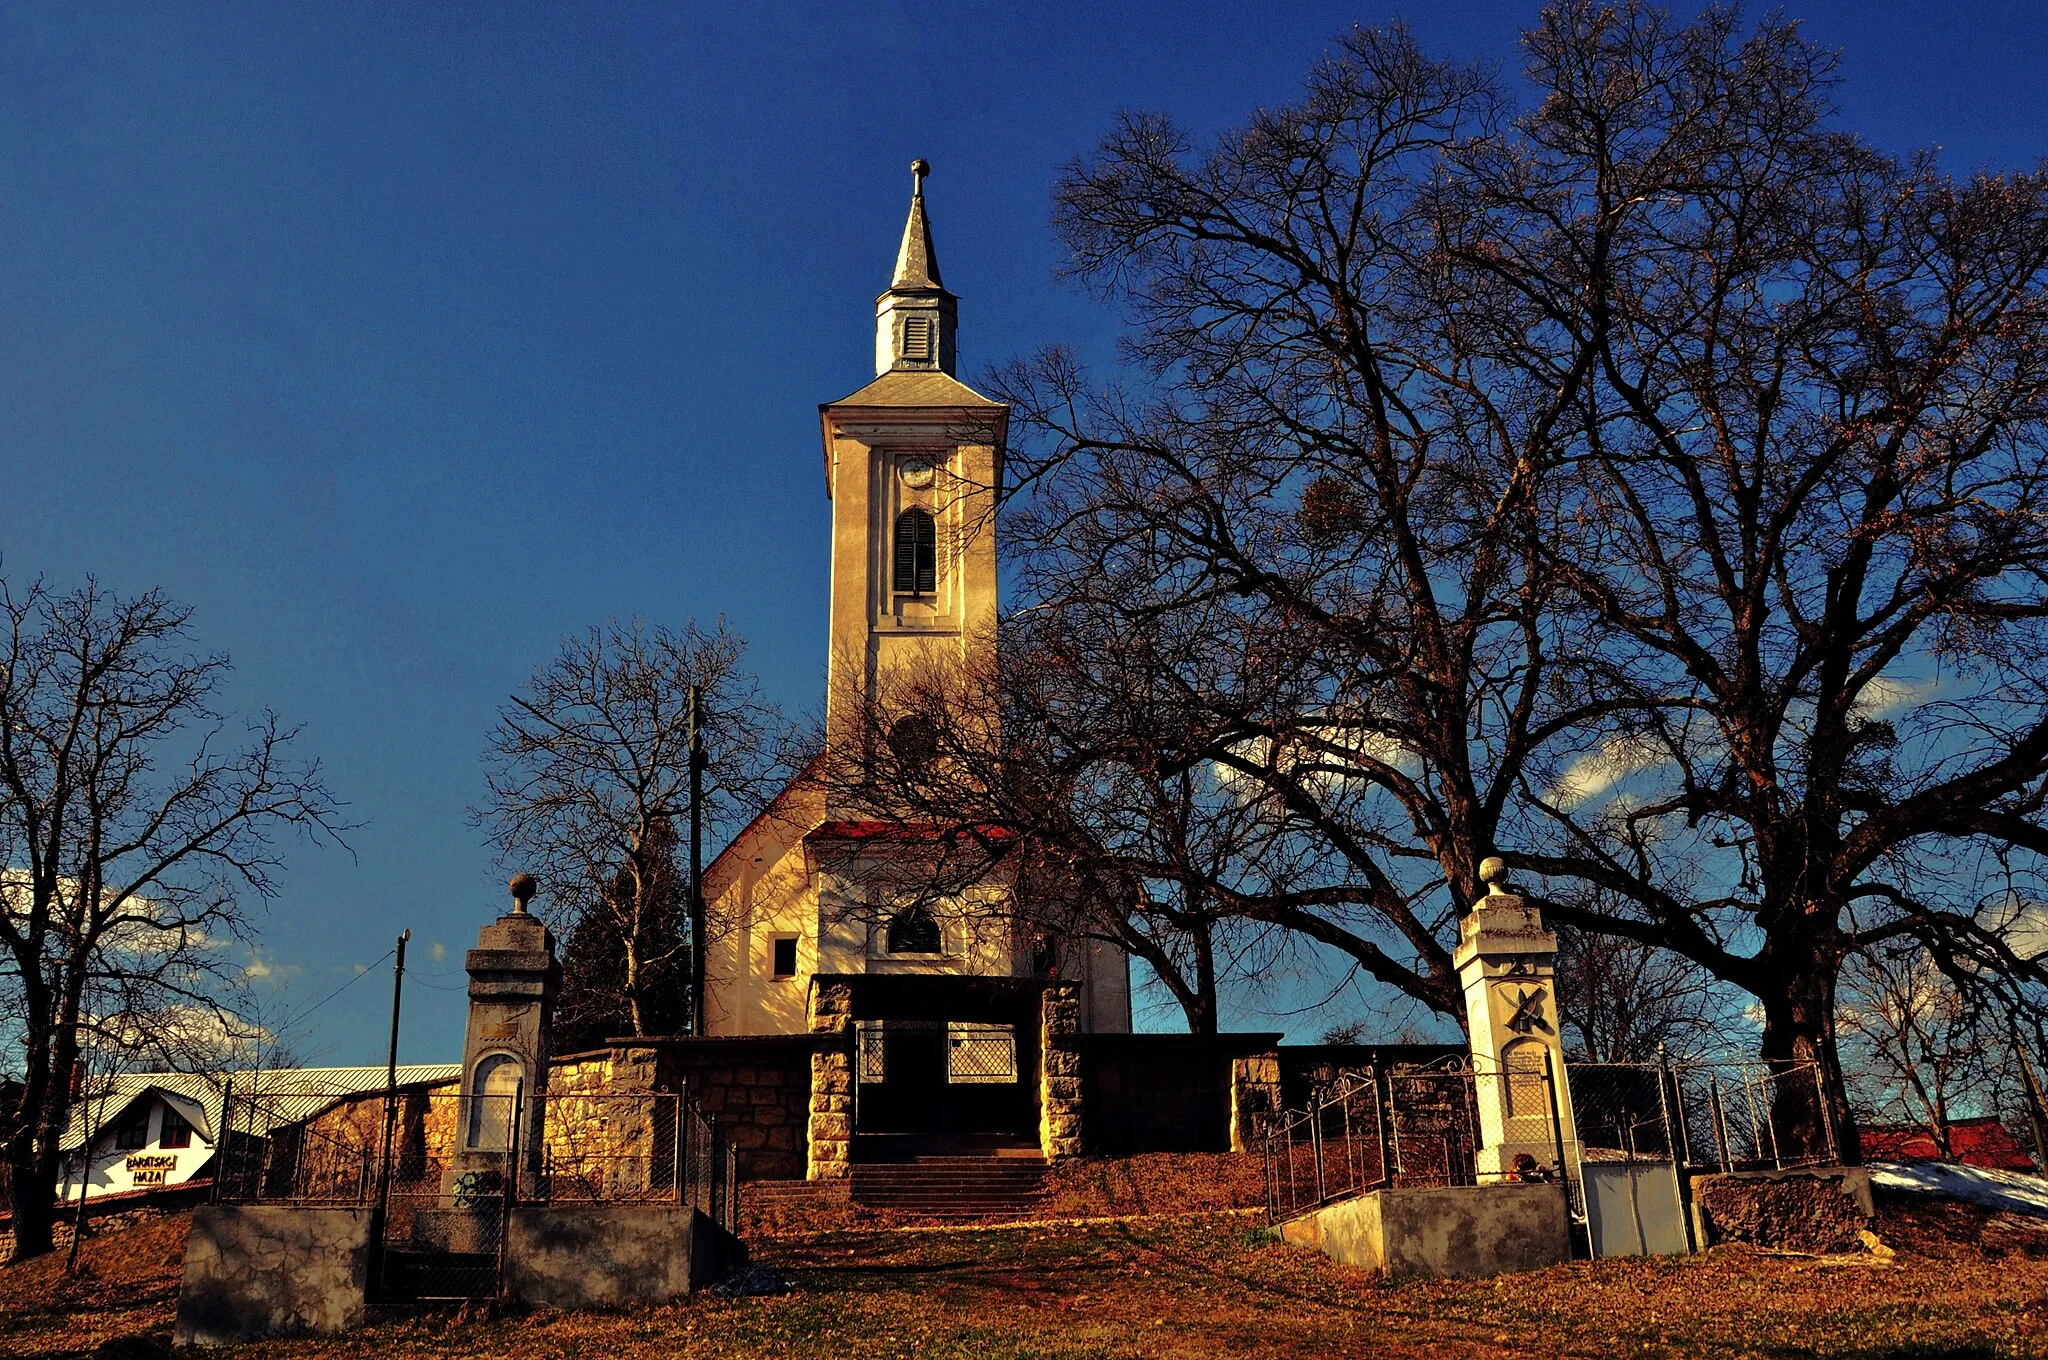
1254,1099
758,1091
831,1105
1059,1093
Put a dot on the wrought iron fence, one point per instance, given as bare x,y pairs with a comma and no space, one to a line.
1421,1126
1409,1127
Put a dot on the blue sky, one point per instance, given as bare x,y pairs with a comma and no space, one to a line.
401,339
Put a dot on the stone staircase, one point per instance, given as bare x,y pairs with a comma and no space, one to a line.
1008,1186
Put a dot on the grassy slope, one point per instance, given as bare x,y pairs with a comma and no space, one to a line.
1159,1288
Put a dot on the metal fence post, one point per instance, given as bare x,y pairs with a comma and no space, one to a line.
1383,1106
1720,1119
508,1188
1315,1136
1557,1123
1675,1141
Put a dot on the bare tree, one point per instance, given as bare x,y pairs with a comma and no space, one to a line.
1646,487
1628,1002
1917,1049
135,828
589,772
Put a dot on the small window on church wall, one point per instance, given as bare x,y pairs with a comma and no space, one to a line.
914,932
917,337
917,552
783,956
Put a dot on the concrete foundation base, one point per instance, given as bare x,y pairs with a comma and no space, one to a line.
612,1255
259,1270
1458,1231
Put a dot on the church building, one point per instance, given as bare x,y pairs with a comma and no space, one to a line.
821,915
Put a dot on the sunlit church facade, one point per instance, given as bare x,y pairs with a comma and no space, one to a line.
822,920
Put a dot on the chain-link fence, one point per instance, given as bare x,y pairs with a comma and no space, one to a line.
447,1171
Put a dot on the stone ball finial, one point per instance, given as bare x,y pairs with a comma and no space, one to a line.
919,168
523,889
1493,872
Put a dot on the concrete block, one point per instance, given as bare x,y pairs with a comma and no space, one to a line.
1459,1231
254,1271
614,1255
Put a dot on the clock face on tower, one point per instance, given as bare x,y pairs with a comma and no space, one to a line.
917,472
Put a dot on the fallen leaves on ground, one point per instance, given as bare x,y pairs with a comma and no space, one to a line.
1165,1288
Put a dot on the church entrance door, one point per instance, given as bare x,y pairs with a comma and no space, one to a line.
937,1080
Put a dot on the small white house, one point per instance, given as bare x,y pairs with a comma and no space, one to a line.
148,1130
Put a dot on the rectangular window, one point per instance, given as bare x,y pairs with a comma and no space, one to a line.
784,960
176,1133
980,1055
870,1052
133,1131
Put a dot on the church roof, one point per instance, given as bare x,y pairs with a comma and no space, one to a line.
903,387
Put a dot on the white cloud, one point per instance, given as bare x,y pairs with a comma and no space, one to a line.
1884,696
1598,771
437,951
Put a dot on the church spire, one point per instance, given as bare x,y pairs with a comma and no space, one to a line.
914,319
917,264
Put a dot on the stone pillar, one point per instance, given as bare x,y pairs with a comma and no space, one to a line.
831,1128
1059,1071
513,978
1254,1098
1507,965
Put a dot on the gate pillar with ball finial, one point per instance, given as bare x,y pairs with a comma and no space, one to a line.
513,979
1507,966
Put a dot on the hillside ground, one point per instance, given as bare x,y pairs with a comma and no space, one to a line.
1964,1282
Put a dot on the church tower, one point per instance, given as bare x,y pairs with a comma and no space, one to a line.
911,466
820,920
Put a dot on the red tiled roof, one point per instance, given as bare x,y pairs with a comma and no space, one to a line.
1973,1142
897,831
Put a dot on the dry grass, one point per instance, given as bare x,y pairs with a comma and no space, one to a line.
1194,1288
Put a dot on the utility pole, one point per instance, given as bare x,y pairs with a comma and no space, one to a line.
390,1108
697,763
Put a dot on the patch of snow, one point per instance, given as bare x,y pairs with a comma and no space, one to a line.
2014,1192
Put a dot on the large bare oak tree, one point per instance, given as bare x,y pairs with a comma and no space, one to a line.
1644,484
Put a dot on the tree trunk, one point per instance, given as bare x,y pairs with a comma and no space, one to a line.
1202,1018
33,1197
1809,1104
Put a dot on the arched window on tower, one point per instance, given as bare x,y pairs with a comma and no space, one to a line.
917,553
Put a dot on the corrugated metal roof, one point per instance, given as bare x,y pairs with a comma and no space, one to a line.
263,1098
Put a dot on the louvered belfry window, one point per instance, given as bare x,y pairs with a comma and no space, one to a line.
917,337
917,553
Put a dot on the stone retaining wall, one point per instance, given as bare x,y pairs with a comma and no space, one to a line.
1817,1209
